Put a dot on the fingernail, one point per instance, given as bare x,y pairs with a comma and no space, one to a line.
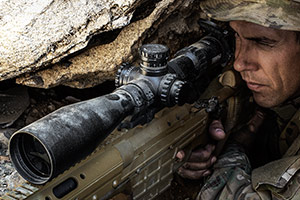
213,160
213,147
252,128
179,155
206,173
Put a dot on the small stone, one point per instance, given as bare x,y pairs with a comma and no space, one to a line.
3,140
5,158
51,107
35,111
72,99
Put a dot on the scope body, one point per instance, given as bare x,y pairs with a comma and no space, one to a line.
49,146
57,141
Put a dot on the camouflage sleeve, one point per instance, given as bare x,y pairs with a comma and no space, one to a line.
231,178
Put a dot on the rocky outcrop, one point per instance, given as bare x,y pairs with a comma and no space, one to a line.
35,33
80,43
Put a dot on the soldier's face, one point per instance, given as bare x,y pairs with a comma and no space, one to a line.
269,61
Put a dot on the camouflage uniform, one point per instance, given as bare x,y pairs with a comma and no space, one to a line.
280,14
278,177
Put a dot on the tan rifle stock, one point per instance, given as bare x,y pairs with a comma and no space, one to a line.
143,157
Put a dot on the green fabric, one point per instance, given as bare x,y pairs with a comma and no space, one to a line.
283,182
231,178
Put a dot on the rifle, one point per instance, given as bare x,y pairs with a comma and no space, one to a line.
143,157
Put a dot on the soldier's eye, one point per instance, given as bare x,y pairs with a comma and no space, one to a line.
267,43
263,41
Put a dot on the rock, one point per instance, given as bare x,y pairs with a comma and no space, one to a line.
9,177
72,99
13,102
3,140
13,179
36,33
171,22
5,158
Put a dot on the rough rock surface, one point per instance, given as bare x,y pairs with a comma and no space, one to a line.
165,21
34,33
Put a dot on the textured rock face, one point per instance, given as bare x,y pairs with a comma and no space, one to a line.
38,32
92,37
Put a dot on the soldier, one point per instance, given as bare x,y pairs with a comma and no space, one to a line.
267,56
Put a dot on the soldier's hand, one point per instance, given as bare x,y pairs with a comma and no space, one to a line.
201,159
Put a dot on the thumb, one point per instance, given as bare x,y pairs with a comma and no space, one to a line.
216,130
180,155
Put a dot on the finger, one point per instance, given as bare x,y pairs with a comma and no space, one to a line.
202,154
256,121
200,165
180,155
194,175
216,130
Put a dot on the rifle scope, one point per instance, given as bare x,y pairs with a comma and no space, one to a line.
54,143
